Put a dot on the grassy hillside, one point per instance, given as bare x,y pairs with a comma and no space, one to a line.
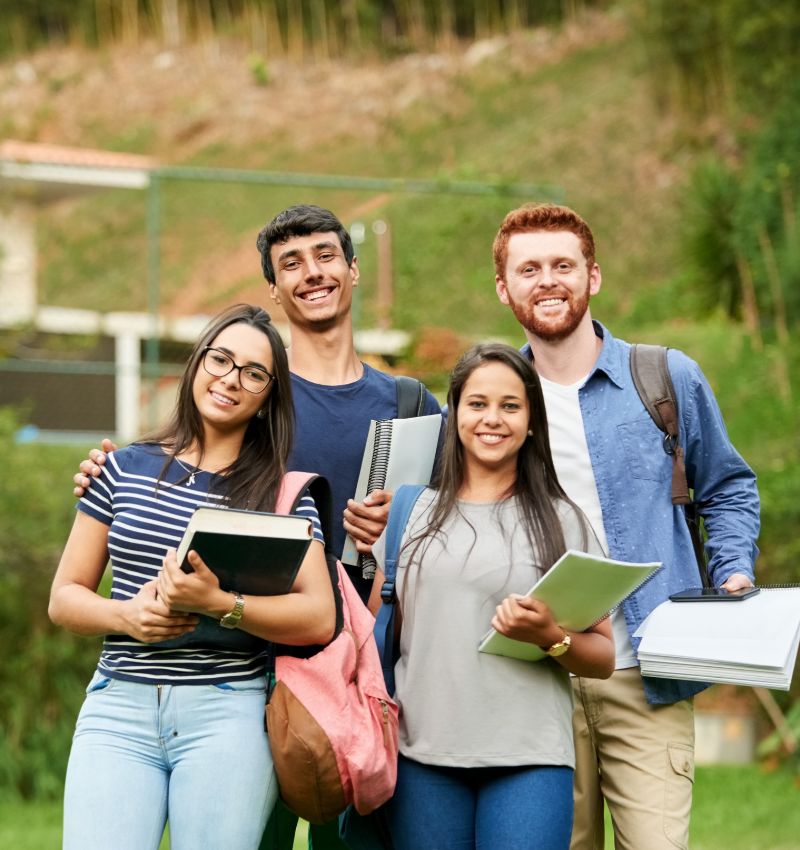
572,110
568,109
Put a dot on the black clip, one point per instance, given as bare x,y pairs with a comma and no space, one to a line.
670,444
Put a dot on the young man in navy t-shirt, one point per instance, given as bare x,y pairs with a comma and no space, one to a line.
308,261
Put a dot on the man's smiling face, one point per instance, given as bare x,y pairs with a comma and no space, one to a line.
547,282
313,281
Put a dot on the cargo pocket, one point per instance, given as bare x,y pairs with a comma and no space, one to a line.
678,794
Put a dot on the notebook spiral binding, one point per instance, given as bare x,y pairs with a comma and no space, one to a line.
619,604
381,447
787,586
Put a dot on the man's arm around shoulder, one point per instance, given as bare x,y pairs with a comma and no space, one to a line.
90,467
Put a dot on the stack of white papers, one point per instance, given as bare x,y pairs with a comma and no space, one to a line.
751,642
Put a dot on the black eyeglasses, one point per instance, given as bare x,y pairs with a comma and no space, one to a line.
254,379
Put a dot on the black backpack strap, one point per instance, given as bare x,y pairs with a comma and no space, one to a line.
652,380
410,397
650,373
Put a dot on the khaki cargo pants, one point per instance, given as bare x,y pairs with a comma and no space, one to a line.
639,758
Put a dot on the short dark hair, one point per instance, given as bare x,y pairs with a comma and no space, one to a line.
300,220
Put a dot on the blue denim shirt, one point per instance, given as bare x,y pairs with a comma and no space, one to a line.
633,475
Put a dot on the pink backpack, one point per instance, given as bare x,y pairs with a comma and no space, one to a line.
332,725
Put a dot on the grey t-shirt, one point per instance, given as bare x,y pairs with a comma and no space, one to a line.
460,707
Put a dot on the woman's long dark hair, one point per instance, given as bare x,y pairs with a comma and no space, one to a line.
536,485
253,479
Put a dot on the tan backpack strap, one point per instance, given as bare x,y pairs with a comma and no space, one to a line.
652,380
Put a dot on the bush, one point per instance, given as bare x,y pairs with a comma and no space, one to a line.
44,670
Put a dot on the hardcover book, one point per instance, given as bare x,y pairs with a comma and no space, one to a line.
249,551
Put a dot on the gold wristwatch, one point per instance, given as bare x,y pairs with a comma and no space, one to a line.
560,647
232,618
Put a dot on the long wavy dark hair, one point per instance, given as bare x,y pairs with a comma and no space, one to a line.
253,479
536,485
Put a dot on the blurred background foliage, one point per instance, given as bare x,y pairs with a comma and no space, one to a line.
297,28
712,265
44,669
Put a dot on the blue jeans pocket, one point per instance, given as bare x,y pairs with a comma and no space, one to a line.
99,682
250,686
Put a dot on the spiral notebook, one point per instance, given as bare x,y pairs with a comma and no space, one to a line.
753,642
580,590
397,451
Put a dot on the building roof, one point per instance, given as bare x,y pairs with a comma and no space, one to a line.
47,172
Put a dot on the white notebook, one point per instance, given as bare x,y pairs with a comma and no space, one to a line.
752,642
397,451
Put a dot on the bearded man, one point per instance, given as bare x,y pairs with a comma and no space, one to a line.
634,736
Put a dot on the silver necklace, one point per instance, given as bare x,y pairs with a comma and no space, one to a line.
192,472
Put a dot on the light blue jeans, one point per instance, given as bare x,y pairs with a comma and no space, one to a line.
196,754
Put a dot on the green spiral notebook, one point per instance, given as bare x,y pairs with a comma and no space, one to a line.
580,590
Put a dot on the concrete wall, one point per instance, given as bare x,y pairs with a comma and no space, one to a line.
17,263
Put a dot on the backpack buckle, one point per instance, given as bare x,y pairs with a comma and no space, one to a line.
387,592
669,444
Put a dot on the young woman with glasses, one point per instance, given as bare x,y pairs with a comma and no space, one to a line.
172,727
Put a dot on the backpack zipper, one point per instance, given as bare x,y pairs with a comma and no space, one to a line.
385,713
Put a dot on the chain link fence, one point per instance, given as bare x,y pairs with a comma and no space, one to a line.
125,280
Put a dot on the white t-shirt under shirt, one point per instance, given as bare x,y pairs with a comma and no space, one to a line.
574,469
460,707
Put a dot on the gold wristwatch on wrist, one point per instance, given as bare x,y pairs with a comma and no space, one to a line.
232,618
560,647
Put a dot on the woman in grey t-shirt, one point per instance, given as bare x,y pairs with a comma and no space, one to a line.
486,741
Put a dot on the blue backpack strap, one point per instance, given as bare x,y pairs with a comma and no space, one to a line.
403,503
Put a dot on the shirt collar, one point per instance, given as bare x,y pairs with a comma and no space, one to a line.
612,361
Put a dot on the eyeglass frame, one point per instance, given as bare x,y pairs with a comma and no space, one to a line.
235,365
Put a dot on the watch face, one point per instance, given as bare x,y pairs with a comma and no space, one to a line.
231,619
561,647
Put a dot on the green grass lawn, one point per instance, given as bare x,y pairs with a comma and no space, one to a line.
37,826
735,808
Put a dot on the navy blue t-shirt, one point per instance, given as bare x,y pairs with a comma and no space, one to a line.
332,427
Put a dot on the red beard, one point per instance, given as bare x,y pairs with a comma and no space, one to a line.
557,328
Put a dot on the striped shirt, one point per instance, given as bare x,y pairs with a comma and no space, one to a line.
146,516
